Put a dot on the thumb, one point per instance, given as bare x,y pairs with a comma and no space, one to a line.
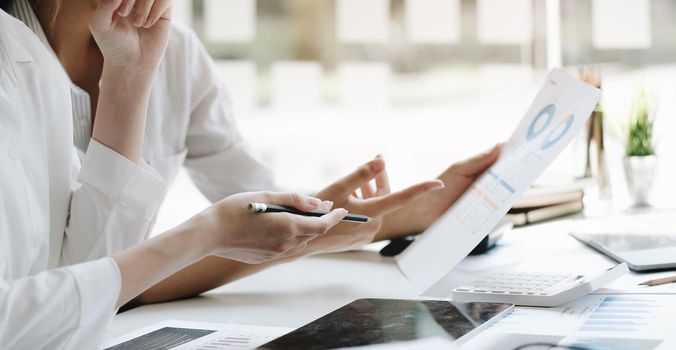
333,218
477,165
294,200
104,15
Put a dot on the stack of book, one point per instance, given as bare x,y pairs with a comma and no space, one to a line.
541,203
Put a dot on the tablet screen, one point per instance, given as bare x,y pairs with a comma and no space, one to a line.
627,243
378,321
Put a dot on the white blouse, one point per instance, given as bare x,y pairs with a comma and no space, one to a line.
190,121
49,216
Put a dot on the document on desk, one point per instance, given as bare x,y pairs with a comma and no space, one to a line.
625,315
183,335
490,340
558,113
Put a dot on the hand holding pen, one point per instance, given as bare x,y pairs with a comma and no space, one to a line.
271,208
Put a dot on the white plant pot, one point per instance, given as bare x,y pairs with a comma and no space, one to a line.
640,174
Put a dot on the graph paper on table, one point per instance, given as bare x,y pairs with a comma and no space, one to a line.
182,335
623,316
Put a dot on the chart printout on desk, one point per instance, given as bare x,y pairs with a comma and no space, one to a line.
559,111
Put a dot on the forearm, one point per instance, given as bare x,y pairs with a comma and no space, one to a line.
145,265
121,110
204,275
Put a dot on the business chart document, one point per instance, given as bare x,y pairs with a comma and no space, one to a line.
596,321
184,335
558,113
494,340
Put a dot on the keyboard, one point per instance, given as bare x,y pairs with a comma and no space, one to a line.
535,288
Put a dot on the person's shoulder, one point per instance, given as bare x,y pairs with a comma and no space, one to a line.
181,38
13,29
185,51
22,42
43,74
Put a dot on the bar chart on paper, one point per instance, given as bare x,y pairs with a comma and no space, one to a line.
185,335
628,313
600,322
612,343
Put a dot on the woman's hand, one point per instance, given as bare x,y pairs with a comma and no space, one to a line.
237,234
228,229
132,33
374,202
417,216
131,55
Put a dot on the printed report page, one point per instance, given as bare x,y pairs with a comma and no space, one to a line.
558,113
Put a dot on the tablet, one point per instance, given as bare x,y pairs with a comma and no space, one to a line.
379,321
641,252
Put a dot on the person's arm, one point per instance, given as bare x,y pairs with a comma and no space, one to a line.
71,307
116,196
411,216
229,230
131,57
113,205
204,275
66,308
213,272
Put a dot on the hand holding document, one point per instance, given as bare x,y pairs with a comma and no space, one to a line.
558,113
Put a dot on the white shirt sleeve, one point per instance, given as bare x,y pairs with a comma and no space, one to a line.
112,208
220,162
66,308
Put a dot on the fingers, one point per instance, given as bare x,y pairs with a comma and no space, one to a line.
325,206
293,200
310,227
104,14
125,8
303,229
379,206
326,222
141,10
144,13
306,229
367,190
382,182
479,164
160,9
365,173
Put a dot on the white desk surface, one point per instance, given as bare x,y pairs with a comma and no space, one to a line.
294,294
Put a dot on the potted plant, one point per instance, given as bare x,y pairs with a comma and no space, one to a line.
640,159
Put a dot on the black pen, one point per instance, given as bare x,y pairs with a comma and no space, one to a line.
271,208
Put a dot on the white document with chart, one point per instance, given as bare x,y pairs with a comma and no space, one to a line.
185,335
558,113
596,321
